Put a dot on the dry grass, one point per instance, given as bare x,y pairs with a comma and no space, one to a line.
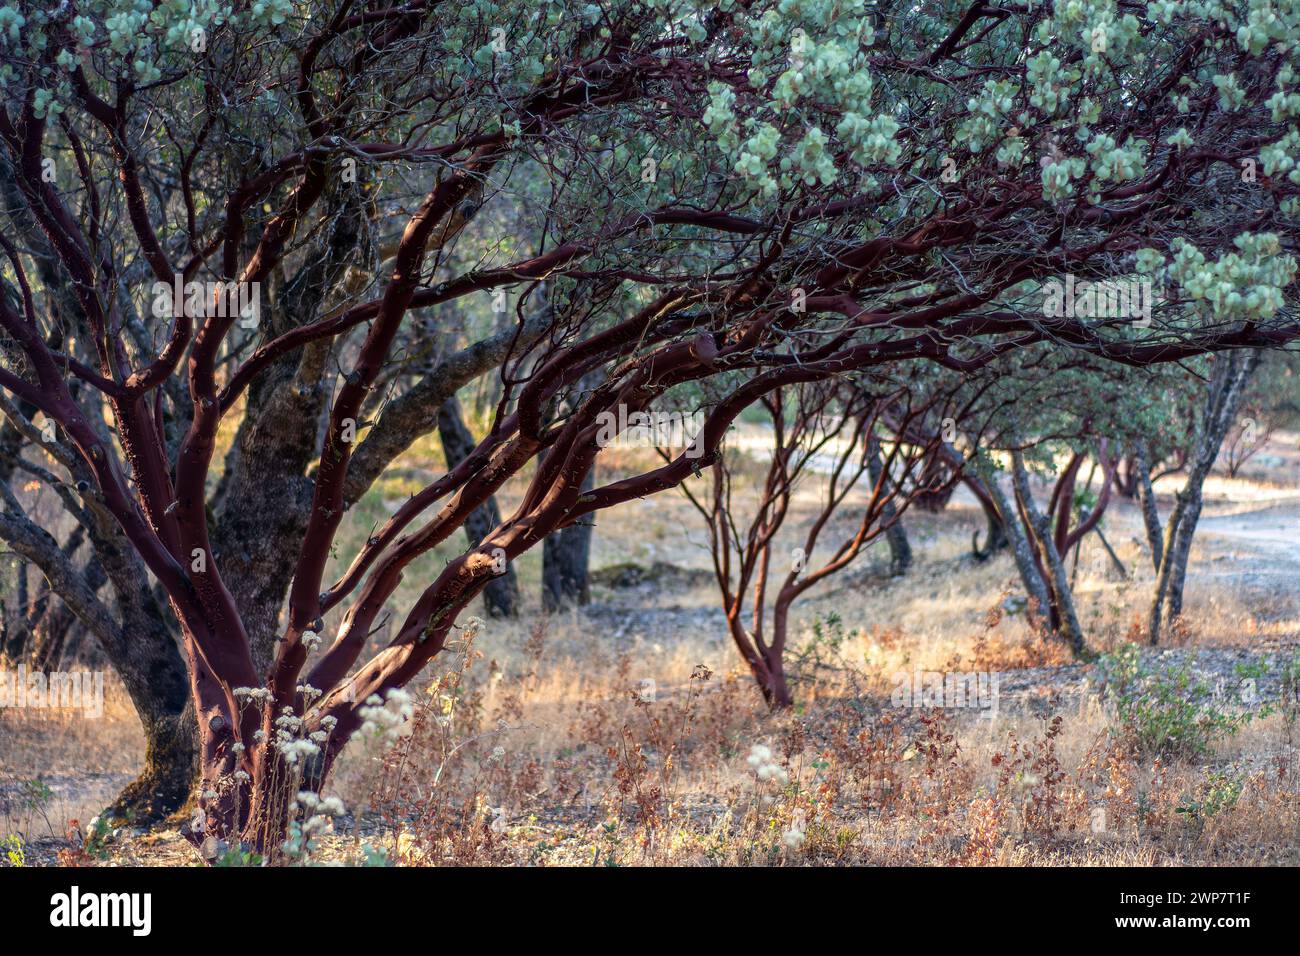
58,765
588,773
533,743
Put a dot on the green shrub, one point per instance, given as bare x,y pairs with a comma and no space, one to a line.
15,852
1219,791
1164,707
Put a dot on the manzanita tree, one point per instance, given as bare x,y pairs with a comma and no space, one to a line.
843,467
250,249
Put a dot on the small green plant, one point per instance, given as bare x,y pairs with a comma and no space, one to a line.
33,797
36,794
98,834
1165,709
828,636
237,856
821,655
15,851
1219,791
368,855
374,856
1288,703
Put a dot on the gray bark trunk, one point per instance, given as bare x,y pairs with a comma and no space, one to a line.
900,549
1041,532
1228,382
140,648
501,595
566,559
1147,498
134,635
1021,551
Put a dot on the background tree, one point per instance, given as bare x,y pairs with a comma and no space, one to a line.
828,436
1223,398
501,594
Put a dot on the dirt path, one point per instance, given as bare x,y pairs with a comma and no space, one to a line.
1258,546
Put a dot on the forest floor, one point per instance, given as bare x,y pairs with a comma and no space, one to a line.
621,733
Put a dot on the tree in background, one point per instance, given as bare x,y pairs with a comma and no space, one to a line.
1061,419
501,594
1223,396
829,443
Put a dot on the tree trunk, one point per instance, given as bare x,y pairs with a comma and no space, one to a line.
50,644
995,538
1058,585
1228,381
900,550
501,595
1021,551
1127,475
140,648
15,635
153,672
766,663
18,636
777,690
566,559
1147,498
164,783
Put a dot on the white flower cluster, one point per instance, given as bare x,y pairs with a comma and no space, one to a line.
760,758
318,818
255,695
327,806
384,718
794,837
289,740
